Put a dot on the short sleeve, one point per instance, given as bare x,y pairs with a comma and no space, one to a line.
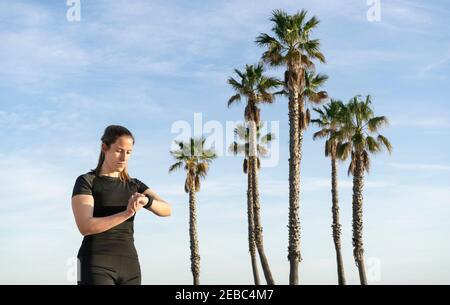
83,186
141,186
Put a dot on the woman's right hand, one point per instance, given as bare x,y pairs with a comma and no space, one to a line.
133,205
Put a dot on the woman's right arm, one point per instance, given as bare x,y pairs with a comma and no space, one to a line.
83,210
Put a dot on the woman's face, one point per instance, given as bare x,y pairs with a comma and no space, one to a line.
116,158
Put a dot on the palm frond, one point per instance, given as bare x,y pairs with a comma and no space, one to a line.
382,140
312,48
262,151
307,63
267,138
319,80
202,169
351,167
234,99
187,184
281,20
281,92
308,117
236,148
343,150
175,166
366,161
323,133
375,123
319,111
311,24
372,145
239,73
264,40
273,56
237,86
197,184
327,148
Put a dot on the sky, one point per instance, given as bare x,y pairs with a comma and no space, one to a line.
154,65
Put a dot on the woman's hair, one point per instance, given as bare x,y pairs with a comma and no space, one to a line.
110,136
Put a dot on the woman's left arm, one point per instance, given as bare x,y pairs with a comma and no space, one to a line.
159,206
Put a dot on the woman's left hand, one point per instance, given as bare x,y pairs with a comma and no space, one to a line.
141,198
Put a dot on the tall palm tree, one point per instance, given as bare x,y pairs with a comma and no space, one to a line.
242,132
256,88
329,122
195,159
360,138
293,48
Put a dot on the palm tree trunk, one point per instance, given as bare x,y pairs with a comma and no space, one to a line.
195,256
336,225
294,187
251,231
253,155
358,249
258,226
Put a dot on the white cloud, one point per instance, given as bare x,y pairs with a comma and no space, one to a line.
403,11
124,98
49,120
409,17
418,166
367,58
23,14
35,60
420,121
37,181
443,62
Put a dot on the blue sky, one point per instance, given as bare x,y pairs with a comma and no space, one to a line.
150,64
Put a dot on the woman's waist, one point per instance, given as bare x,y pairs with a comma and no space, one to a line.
108,245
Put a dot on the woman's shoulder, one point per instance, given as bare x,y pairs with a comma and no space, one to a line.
141,186
90,173
84,184
88,177
134,180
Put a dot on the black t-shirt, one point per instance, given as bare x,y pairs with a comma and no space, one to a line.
110,197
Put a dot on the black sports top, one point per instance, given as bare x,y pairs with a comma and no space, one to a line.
110,197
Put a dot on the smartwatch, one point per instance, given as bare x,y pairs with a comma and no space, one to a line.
150,201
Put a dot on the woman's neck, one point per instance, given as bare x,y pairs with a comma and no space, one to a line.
105,171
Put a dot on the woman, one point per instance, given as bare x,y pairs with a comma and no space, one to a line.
104,202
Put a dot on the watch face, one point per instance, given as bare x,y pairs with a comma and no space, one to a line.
150,201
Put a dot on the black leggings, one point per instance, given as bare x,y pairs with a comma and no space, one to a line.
108,270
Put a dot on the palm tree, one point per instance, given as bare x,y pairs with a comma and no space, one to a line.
195,159
293,48
330,122
255,87
243,134
360,138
